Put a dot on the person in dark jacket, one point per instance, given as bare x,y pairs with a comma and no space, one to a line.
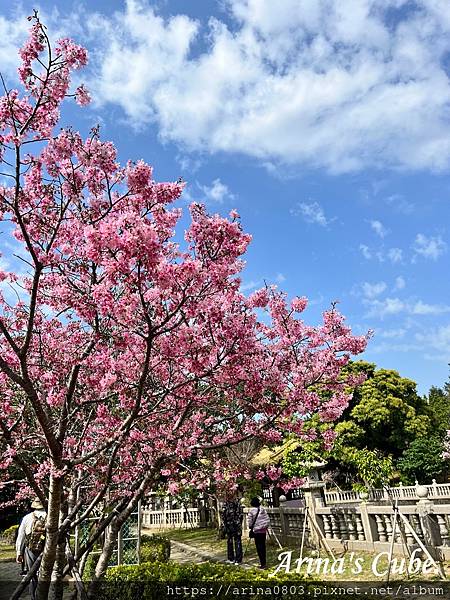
258,521
232,517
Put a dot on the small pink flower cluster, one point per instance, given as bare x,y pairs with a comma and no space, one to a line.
82,96
33,46
74,56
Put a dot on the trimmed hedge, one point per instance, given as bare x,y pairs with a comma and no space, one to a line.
159,581
151,580
9,535
154,548
193,572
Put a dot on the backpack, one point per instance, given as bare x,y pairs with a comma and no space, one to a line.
35,540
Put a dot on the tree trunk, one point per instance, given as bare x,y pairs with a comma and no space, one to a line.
109,546
103,561
57,588
51,538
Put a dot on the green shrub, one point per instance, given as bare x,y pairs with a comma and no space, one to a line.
9,535
154,548
89,567
150,580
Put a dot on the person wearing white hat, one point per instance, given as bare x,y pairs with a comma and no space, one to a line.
31,539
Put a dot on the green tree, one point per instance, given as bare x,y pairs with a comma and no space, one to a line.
382,430
439,409
385,414
422,460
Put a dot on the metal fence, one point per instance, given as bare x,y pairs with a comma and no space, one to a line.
127,549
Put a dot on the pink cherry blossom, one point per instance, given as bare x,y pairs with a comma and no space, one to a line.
82,96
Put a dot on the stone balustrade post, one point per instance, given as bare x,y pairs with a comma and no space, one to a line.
366,522
313,500
430,526
284,519
435,488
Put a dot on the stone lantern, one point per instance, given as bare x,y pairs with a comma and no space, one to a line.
313,487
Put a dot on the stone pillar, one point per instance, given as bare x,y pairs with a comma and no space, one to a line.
366,522
430,527
313,491
435,488
283,519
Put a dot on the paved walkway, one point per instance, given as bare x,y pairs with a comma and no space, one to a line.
9,578
184,553
180,553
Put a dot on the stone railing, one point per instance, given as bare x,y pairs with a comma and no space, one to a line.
186,518
436,491
369,527
366,526
351,523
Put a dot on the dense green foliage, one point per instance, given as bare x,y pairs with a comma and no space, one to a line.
373,469
387,431
385,413
141,582
299,456
439,408
9,535
154,548
151,581
422,461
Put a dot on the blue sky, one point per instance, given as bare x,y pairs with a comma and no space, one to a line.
325,123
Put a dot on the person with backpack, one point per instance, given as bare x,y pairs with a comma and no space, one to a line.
31,540
232,517
258,524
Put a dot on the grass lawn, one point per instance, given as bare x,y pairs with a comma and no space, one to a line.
7,552
206,540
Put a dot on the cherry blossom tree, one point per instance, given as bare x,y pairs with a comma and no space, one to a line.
123,351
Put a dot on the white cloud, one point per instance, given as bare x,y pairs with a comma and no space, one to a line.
249,285
386,347
311,213
280,278
12,35
400,283
365,250
395,255
188,164
393,306
392,333
400,204
378,228
429,247
438,339
323,83
389,306
422,308
217,192
371,290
